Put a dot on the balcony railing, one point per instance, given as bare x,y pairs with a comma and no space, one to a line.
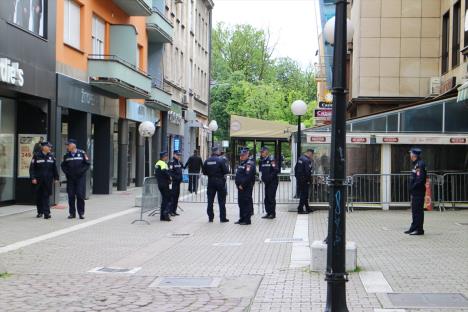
159,27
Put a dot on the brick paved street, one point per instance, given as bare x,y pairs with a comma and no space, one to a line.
53,274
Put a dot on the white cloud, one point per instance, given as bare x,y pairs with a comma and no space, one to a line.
292,23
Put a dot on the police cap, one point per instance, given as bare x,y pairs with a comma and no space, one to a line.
244,150
46,143
177,152
310,150
71,141
215,150
416,151
162,154
264,149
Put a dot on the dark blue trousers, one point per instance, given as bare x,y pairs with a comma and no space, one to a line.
42,199
270,197
217,186
417,209
245,202
165,200
76,189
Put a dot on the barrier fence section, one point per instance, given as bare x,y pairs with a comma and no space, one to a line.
150,199
454,188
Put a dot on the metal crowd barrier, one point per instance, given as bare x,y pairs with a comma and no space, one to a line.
454,188
150,199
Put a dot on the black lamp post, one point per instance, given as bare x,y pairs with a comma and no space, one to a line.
213,127
336,275
298,108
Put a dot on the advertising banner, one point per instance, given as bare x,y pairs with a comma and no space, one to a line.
28,144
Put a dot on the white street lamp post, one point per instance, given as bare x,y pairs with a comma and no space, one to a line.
299,108
213,127
146,130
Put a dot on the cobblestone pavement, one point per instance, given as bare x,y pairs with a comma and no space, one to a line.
53,275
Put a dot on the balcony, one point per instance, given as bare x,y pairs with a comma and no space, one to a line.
117,76
135,7
160,99
159,28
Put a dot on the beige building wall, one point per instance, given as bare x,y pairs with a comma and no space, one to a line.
396,47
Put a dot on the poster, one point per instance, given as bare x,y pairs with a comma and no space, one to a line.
6,155
28,144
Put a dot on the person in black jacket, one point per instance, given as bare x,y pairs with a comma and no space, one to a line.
417,190
194,165
175,171
75,164
164,181
303,173
43,172
245,181
270,170
215,168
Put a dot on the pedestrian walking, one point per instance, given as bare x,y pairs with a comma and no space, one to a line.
245,181
269,170
215,168
303,173
43,171
175,171
75,164
164,181
194,165
417,189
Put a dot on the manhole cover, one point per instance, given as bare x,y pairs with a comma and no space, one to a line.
227,244
186,282
283,240
115,270
429,300
178,235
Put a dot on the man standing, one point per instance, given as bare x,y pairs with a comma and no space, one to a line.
303,173
75,164
175,171
245,181
417,190
194,165
164,181
43,172
269,169
216,170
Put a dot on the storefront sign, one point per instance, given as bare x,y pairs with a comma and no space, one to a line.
325,105
358,140
458,140
421,139
323,114
447,85
140,112
318,139
6,155
28,144
390,140
11,73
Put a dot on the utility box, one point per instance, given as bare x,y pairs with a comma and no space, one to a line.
319,256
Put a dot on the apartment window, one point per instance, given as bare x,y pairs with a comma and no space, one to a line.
27,15
456,34
71,23
98,35
445,42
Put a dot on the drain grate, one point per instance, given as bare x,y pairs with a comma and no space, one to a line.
179,235
115,270
186,282
227,244
428,300
283,240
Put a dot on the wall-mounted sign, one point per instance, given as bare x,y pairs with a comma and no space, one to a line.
420,139
325,105
389,140
175,118
140,112
323,114
318,139
358,140
10,72
458,140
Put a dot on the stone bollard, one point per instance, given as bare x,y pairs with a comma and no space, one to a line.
319,256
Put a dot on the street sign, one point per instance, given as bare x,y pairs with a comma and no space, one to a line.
325,105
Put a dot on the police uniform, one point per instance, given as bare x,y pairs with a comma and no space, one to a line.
245,181
215,168
303,173
74,165
417,189
175,171
164,181
43,169
269,170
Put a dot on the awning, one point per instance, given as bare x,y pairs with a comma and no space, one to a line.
251,128
463,93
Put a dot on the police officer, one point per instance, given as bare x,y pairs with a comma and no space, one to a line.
175,171
270,170
75,164
215,168
417,189
164,181
43,172
303,173
245,181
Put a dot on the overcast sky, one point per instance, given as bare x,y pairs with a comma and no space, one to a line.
292,23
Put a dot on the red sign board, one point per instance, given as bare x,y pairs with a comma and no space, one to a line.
317,139
358,140
390,140
457,140
323,113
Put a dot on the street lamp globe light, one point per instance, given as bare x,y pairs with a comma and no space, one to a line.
299,108
213,125
329,31
147,129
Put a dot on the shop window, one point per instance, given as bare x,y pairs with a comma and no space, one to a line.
71,23
7,148
456,117
425,119
29,15
456,34
445,41
392,123
370,125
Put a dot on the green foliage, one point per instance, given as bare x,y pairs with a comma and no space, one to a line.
5,275
250,83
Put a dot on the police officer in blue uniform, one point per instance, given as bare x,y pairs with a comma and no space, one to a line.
75,164
164,181
269,170
303,173
245,181
215,168
175,171
43,172
417,189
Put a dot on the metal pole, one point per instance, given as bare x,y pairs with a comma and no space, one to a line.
299,135
336,275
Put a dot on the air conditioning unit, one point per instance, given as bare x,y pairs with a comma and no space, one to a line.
434,86
184,99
